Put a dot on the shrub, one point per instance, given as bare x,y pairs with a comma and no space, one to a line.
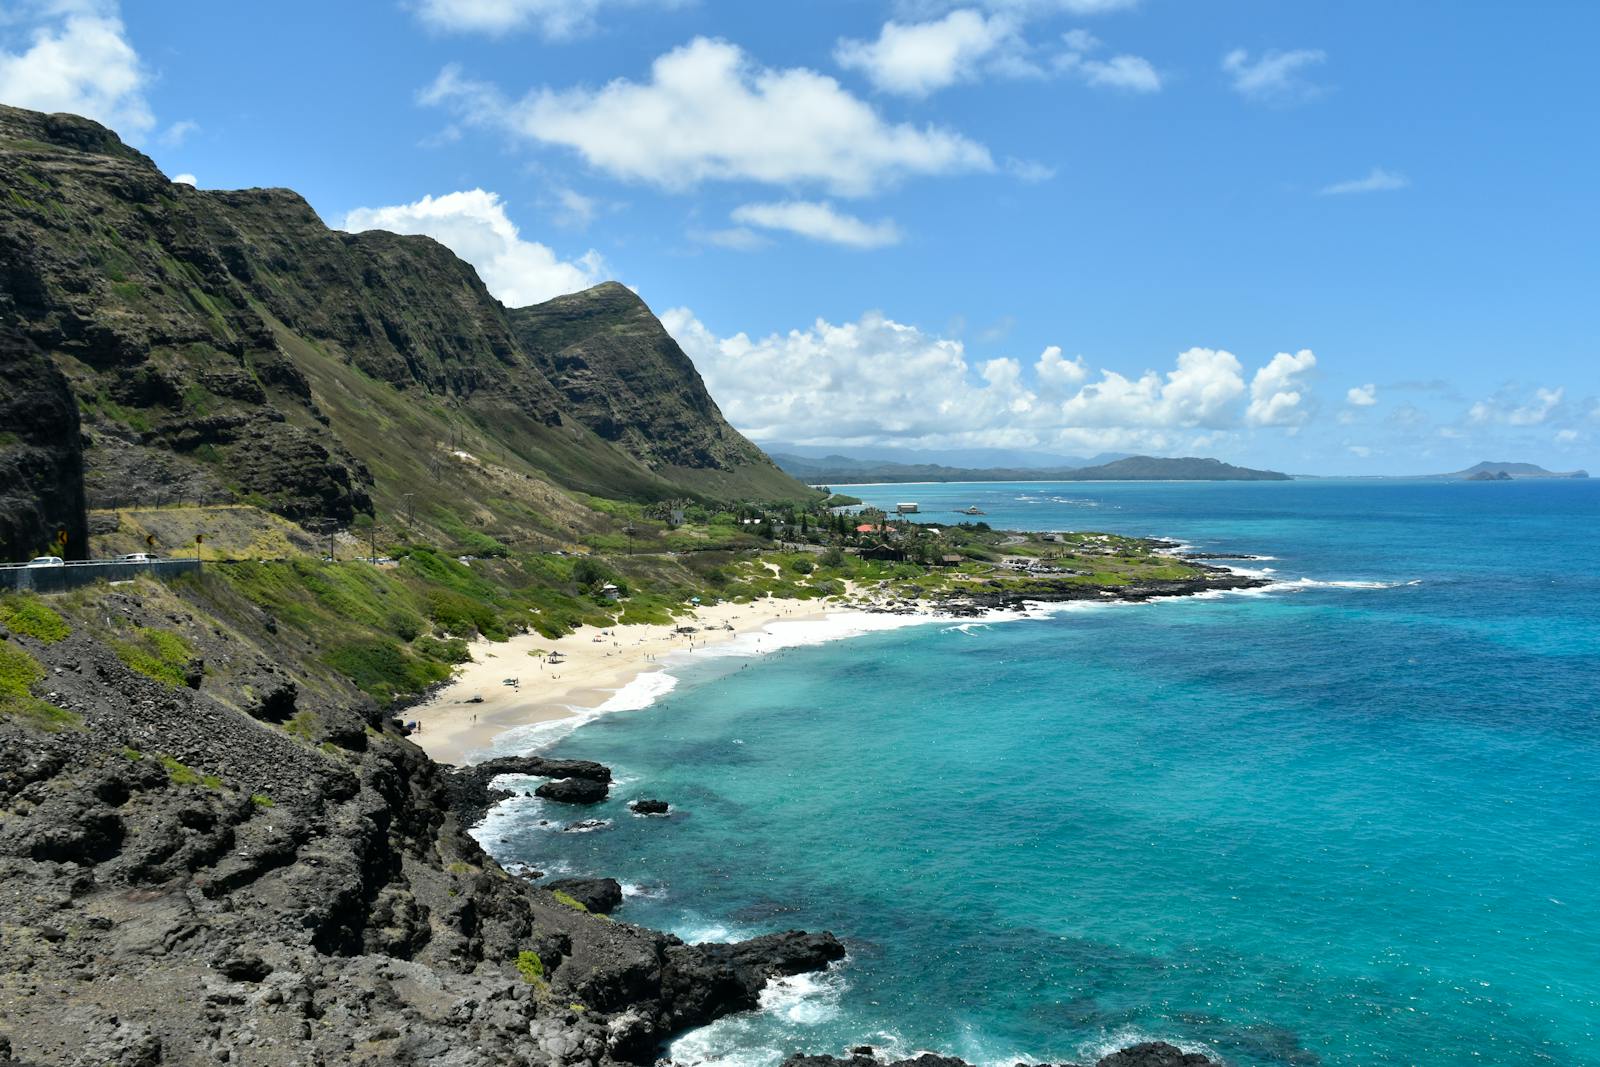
31,617
801,565
383,669
531,967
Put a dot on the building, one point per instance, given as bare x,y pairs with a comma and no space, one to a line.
884,554
908,508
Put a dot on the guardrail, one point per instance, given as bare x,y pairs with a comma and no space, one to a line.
20,577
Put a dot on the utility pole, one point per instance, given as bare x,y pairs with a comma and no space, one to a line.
372,539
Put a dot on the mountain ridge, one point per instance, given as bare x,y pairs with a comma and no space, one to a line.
1128,468
226,346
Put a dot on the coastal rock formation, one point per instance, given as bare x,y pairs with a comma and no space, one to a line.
573,791
600,895
649,806
184,881
471,794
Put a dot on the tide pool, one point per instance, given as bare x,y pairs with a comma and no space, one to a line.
1354,820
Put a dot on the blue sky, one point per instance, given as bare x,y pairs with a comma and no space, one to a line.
1341,237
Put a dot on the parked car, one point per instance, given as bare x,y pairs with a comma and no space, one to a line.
137,557
47,561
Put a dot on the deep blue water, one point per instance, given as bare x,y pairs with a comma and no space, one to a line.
1335,824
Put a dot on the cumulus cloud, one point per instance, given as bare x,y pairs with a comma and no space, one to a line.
179,132
1129,73
875,379
185,179
554,19
1362,396
76,58
1026,9
916,59
1274,77
708,112
820,222
1508,409
473,224
1377,180
1277,394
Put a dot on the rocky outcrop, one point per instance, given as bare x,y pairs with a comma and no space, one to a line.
472,793
599,895
41,455
649,806
186,880
573,791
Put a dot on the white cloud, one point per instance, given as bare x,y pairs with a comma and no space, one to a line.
820,222
574,209
473,224
875,380
1129,73
710,113
915,59
1508,410
1377,180
77,59
554,19
1028,170
1057,373
1031,9
1568,437
178,132
1362,396
1277,395
185,179
1276,77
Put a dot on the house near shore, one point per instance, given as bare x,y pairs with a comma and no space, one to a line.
884,554
907,508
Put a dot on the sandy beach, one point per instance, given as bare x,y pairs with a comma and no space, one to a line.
461,720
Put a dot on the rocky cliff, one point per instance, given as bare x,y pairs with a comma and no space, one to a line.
41,455
229,346
224,861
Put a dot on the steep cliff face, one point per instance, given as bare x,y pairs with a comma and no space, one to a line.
228,345
41,455
623,376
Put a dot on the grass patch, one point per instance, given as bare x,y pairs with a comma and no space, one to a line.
384,669
261,800
158,654
182,774
19,673
31,617
569,900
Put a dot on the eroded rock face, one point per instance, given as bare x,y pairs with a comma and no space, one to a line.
573,791
599,895
1149,1054
41,454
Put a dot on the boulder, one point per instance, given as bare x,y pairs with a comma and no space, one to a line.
573,791
649,806
599,895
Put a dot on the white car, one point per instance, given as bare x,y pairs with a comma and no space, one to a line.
47,561
137,557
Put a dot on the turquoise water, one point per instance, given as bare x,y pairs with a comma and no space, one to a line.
1342,824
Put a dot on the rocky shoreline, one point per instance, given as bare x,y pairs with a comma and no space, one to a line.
253,867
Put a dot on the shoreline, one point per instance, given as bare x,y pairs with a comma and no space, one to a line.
603,670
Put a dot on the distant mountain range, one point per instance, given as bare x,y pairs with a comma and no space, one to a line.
877,456
1490,471
832,469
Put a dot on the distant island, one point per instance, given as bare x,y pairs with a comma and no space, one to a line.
844,469
1489,471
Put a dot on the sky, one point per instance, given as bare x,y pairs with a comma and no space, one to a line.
1354,237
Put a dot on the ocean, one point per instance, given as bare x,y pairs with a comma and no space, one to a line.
1351,820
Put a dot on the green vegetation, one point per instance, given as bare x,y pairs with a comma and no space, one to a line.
531,967
19,673
181,774
569,900
261,800
158,654
28,615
